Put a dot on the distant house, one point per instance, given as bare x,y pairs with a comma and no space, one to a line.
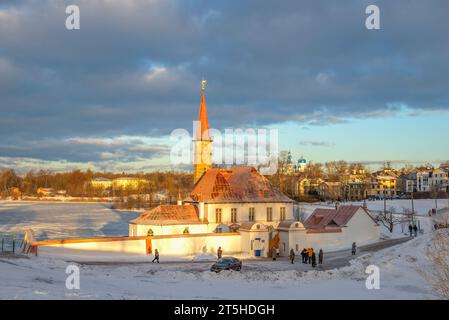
101,183
46,192
129,183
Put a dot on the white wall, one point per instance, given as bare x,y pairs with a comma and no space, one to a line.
196,245
243,212
249,243
142,229
124,246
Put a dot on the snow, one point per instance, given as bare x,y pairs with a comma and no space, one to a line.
64,220
421,206
44,277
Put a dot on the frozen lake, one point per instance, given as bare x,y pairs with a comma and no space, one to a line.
64,220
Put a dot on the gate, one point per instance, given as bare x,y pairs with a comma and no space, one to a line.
10,243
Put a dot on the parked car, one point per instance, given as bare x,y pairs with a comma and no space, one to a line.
227,263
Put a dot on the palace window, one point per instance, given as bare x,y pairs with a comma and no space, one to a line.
233,214
282,218
150,232
252,214
218,215
269,214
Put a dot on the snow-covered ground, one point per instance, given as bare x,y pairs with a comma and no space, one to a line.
421,206
44,277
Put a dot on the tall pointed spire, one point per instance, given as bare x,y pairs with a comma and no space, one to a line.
203,141
203,126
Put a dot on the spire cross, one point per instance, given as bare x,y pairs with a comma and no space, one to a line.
203,84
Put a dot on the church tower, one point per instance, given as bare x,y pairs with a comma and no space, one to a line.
203,141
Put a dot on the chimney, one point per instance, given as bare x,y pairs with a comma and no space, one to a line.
179,202
201,207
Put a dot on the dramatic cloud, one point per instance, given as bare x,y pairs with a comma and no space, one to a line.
317,143
134,68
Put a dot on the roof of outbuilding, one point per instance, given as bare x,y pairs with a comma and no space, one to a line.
287,224
331,218
169,215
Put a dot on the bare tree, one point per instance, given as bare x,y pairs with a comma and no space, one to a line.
389,219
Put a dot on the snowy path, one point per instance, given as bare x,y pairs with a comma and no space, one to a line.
43,278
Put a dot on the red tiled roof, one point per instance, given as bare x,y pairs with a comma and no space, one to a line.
239,184
169,214
331,218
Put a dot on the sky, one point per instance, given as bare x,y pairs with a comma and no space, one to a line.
108,96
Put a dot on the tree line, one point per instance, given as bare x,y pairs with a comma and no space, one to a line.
76,183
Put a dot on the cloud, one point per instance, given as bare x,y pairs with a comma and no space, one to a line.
317,143
134,68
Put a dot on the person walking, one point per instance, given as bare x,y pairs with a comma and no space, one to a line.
320,256
415,230
273,254
156,256
313,260
219,253
410,229
292,255
354,248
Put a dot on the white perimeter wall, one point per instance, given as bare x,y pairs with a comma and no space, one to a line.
197,245
124,246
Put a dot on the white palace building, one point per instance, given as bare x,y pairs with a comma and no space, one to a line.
239,210
236,209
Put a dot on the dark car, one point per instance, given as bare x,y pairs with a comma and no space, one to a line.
227,263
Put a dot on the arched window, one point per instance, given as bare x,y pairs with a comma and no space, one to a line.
186,230
150,232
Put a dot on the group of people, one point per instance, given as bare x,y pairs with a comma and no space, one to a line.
308,256
413,230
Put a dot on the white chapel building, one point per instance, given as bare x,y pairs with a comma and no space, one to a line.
239,210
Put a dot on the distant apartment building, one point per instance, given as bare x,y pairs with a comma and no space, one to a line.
383,186
438,179
330,191
358,190
406,183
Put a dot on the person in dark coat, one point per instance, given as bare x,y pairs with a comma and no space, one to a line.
219,253
313,260
303,255
156,256
415,230
292,256
410,229
320,256
354,248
